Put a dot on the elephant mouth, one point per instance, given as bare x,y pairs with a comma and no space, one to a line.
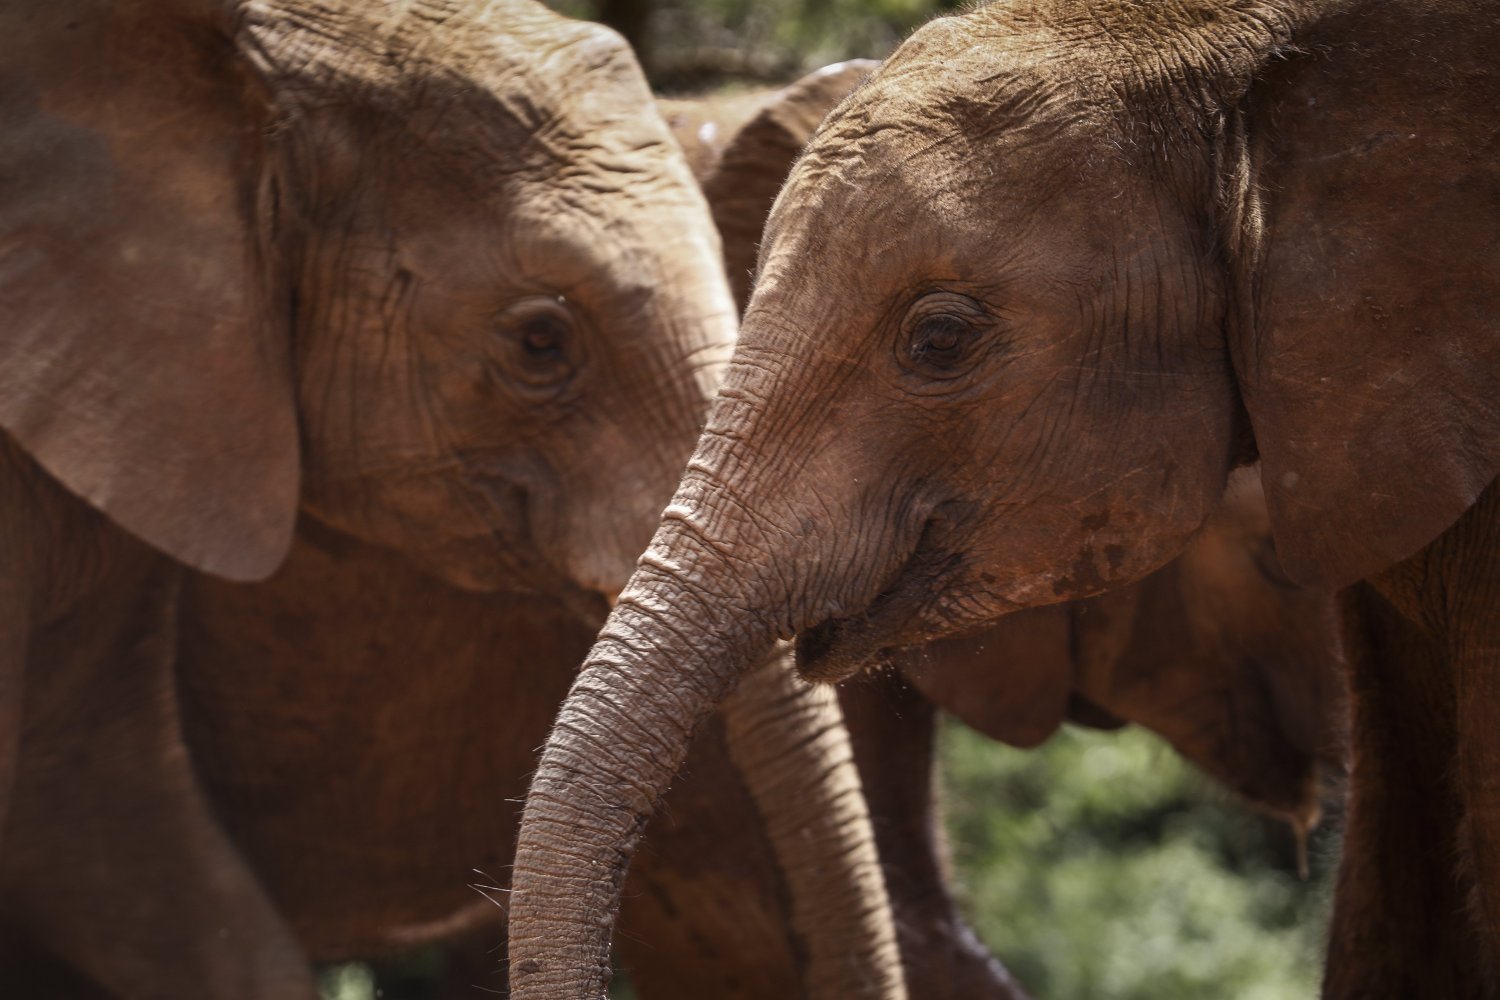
838,648
900,615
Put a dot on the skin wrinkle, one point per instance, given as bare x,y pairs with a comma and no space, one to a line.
576,708
799,427
655,610
534,127
601,733
632,684
689,520
807,827
598,780
769,530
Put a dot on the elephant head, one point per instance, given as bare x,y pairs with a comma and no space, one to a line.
440,278
1028,296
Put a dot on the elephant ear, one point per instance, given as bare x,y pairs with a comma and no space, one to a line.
143,359
1010,682
1370,360
704,126
1222,656
743,185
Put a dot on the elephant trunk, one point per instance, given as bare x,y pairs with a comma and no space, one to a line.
670,653
789,739
619,738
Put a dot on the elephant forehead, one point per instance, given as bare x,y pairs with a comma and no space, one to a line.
933,191
461,75
1013,233
666,250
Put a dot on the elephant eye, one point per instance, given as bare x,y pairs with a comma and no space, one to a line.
543,337
942,334
538,340
939,338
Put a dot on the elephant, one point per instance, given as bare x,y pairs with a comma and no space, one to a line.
1221,622
390,275
447,538
1026,299
1218,652
1223,617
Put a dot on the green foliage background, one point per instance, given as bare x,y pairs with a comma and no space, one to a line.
1100,866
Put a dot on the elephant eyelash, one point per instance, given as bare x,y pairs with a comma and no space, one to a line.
942,335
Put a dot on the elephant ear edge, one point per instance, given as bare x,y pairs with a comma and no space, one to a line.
1369,357
144,361
1012,682
743,184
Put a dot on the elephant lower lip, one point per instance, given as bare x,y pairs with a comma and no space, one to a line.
836,650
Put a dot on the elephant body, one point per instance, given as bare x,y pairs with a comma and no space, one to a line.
1417,891
110,858
1027,299
362,728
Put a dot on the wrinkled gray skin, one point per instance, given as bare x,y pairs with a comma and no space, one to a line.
1028,297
